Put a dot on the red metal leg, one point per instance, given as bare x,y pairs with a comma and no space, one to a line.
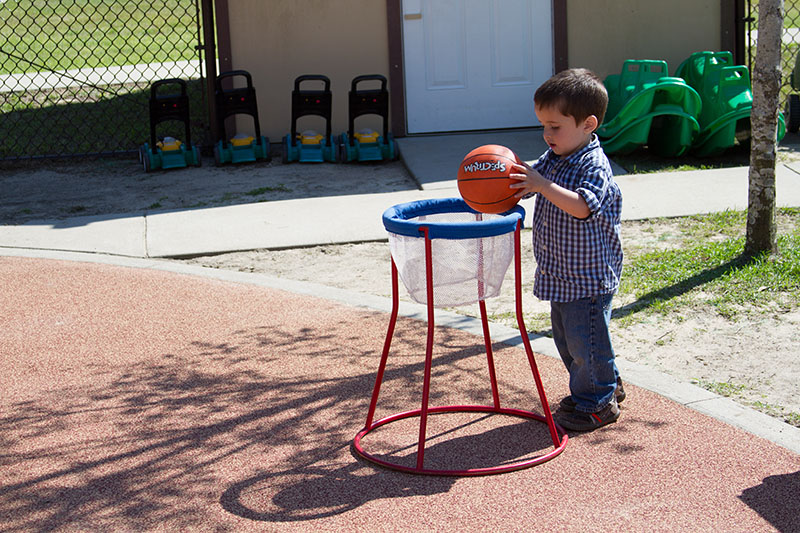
426,386
487,340
524,334
387,343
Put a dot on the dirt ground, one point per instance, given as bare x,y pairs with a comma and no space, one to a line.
753,359
65,188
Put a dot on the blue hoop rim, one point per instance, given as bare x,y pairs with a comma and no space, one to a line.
396,220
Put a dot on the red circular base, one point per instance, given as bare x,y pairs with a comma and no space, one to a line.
460,409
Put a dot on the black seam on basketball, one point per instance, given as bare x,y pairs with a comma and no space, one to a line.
491,154
483,178
489,203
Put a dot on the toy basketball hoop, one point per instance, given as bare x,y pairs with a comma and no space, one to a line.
448,255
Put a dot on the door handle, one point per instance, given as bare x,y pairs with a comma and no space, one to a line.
412,16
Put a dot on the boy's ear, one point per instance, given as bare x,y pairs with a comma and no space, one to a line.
590,124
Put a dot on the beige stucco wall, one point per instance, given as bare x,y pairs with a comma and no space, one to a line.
278,40
604,33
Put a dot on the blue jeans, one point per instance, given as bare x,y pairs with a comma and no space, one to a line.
580,332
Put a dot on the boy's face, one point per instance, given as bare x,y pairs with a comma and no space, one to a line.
561,133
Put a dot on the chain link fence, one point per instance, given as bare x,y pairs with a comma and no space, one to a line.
75,74
790,44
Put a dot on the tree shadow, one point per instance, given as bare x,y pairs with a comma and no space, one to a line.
776,500
682,287
150,444
316,491
320,490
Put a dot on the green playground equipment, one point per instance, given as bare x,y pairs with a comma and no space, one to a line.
725,91
648,107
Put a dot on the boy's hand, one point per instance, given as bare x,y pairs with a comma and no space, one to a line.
529,181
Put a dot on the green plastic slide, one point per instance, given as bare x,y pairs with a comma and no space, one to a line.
727,101
648,107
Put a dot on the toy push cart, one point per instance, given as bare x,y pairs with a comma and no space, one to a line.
240,148
366,144
168,152
310,146
448,255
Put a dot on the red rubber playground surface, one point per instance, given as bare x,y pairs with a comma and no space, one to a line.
141,400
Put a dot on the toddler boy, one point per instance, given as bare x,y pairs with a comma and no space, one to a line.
576,242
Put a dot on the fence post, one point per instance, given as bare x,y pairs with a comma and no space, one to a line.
211,66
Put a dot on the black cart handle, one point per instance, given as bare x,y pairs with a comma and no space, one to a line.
368,77
312,77
233,73
171,81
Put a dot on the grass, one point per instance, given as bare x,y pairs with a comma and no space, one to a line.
264,190
702,268
258,194
664,281
95,33
737,392
42,36
95,121
726,388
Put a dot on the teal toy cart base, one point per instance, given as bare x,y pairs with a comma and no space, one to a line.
252,150
179,157
241,148
168,153
367,145
310,146
648,107
379,150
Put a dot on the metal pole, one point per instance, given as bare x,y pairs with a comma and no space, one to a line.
426,385
210,49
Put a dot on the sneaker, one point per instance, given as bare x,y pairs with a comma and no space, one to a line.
567,404
579,421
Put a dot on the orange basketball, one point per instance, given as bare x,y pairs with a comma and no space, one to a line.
483,179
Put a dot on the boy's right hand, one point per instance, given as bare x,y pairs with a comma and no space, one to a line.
529,181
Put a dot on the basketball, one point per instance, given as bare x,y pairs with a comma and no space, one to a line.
483,179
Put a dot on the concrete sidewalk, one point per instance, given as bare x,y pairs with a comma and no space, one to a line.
431,160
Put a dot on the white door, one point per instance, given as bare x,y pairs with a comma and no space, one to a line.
474,64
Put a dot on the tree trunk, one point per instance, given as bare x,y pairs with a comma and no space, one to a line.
761,229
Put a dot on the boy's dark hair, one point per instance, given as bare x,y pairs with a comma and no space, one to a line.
576,92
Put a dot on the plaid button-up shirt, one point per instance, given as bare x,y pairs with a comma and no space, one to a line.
575,257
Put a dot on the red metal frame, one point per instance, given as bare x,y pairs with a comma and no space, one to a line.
557,434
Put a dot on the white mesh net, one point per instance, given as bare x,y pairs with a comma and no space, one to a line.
465,271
